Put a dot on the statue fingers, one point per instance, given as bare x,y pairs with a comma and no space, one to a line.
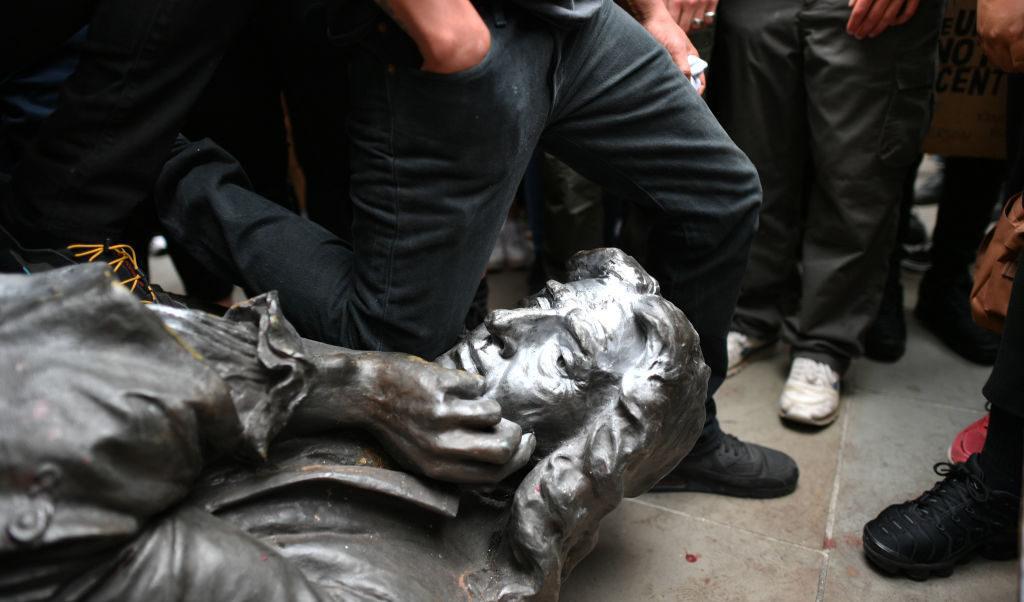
459,383
473,472
494,447
470,413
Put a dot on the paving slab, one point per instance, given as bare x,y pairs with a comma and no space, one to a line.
648,553
747,405
887,456
928,372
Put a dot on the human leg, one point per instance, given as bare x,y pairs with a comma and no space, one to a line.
976,507
626,118
755,89
426,211
865,135
96,157
965,210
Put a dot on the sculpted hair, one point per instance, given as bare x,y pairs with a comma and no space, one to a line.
612,263
646,423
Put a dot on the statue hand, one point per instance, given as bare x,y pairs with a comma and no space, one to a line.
432,420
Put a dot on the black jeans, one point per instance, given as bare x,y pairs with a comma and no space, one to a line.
93,163
435,163
1005,386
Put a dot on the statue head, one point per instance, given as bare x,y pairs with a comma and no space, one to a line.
604,345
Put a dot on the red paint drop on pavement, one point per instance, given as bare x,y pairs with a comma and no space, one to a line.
829,543
691,558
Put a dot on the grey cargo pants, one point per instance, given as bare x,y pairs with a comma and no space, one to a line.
833,124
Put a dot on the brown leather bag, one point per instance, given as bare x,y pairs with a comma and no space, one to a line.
997,265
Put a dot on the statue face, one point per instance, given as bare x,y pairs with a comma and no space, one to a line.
538,359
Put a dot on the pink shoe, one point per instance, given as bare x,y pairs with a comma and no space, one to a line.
969,441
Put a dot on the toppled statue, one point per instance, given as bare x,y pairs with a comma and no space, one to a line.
153,453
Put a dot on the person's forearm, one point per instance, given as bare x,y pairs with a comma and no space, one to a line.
450,34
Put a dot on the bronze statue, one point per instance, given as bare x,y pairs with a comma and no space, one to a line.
154,453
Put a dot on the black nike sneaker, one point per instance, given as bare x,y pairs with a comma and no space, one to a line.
120,257
734,468
947,525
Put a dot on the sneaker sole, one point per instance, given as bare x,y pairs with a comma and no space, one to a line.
755,354
722,489
922,571
823,421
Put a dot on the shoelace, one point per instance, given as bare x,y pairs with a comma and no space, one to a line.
124,258
959,485
812,372
731,445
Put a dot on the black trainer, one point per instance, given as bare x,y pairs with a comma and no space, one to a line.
944,308
120,257
734,468
959,516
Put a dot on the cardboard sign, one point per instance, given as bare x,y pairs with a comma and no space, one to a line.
970,93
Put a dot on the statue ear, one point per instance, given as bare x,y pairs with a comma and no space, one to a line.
615,264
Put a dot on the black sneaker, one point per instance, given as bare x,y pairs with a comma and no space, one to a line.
734,468
120,257
943,308
959,516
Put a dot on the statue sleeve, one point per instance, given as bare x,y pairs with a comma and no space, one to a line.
111,409
260,357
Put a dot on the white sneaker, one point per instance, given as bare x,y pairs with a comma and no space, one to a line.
811,394
741,348
498,259
518,247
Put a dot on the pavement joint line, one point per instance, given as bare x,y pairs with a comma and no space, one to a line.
833,504
726,525
921,400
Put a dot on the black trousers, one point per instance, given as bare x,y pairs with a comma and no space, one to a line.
1005,386
435,164
86,175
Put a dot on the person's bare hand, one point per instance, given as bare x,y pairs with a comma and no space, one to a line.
668,33
449,34
869,18
692,15
432,419
1001,27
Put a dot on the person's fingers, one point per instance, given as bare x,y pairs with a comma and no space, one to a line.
1017,56
675,7
711,12
909,10
679,52
470,472
888,18
707,7
873,18
859,11
495,447
688,16
470,413
998,54
703,84
459,383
